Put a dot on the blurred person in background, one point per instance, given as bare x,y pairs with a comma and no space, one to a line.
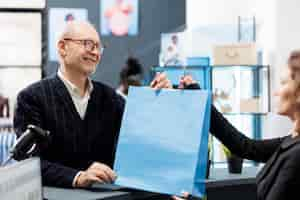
130,75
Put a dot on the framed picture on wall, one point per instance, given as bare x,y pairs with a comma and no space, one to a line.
119,17
58,17
172,51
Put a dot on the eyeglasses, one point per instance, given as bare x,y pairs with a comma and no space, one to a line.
89,45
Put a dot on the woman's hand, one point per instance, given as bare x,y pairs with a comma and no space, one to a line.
185,81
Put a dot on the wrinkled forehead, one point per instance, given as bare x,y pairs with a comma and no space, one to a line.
87,33
81,31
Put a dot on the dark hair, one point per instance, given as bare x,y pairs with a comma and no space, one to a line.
132,70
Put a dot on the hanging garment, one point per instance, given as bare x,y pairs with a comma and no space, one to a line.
4,107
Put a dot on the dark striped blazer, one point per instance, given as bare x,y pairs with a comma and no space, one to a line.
76,143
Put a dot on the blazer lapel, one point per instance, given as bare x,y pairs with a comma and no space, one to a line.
267,166
65,97
95,101
286,144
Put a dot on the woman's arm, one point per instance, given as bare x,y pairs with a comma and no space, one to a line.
234,140
238,143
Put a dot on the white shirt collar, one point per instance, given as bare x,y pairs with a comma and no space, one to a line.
119,92
73,89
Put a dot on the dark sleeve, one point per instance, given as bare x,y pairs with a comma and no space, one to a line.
286,185
238,143
29,111
54,174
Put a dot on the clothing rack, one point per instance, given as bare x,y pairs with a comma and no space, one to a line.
7,138
6,125
4,107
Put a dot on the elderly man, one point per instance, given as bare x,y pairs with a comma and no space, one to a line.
83,116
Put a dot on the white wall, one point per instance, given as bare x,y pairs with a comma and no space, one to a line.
288,31
13,79
287,38
217,11
227,11
278,33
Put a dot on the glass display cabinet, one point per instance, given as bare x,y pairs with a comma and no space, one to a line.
242,95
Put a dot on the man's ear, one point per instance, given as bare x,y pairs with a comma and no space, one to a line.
61,48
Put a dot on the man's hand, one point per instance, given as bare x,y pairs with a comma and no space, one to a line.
104,172
161,81
185,81
97,172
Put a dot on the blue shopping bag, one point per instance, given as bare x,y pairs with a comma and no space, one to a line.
163,141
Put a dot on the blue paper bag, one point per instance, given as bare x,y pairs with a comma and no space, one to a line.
163,141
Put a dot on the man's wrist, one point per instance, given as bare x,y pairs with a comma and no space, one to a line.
76,179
